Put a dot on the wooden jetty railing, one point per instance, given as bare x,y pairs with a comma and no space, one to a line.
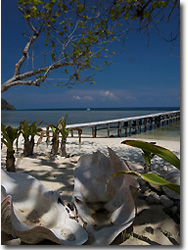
130,125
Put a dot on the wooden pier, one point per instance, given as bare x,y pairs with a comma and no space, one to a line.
130,125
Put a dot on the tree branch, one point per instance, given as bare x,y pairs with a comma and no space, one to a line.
25,52
175,3
77,46
6,86
18,79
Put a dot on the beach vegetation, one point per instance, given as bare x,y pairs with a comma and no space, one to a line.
149,150
8,137
6,106
55,137
29,133
76,35
64,134
60,129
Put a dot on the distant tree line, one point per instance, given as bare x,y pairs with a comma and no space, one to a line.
6,106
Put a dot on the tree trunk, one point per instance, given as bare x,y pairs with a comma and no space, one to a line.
28,147
63,148
55,146
10,161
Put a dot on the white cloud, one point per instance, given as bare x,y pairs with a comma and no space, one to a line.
88,98
83,98
78,98
108,95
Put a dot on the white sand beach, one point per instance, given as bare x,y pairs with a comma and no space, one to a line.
155,223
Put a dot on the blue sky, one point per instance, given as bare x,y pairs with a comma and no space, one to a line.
140,76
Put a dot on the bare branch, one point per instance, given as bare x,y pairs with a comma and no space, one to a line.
18,79
6,86
175,3
69,37
31,25
24,55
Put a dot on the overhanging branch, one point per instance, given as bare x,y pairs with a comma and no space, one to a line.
19,79
6,86
24,55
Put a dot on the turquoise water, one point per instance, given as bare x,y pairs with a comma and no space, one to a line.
166,132
14,117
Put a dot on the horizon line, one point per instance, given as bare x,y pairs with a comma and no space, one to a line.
97,108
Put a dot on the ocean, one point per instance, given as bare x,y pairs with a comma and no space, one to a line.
13,118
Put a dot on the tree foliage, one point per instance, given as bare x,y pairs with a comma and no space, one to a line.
73,34
6,106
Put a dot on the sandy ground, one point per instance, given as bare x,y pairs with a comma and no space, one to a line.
155,224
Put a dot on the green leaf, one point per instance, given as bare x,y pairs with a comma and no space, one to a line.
133,17
154,4
146,14
53,129
65,121
103,23
164,4
164,153
81,25
80,8
126,16
46,40
53,56
53,44
27,16
97,26
62,22
36,2
9,135
19,2
152,178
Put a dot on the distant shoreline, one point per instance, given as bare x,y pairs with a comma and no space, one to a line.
6,106
101,109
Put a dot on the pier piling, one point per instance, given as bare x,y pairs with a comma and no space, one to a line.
131,124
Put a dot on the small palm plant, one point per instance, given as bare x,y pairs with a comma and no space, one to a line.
9,135
55,137
149,150
64,134
60,128
29,132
